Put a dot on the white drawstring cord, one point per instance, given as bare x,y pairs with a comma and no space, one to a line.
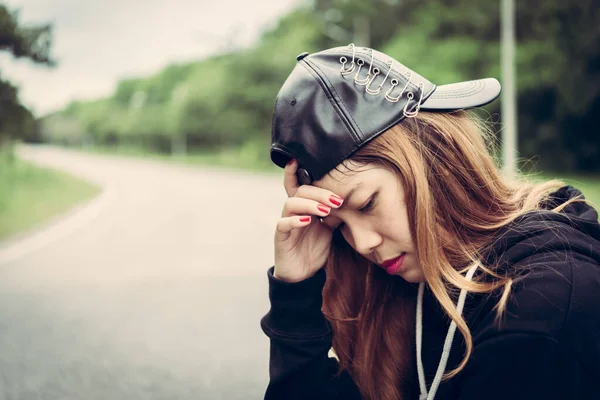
421,373
425,395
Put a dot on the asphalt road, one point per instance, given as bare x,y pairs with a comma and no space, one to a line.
153,290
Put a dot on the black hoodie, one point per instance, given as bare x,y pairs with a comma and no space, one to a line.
548,346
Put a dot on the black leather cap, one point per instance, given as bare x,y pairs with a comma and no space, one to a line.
336,100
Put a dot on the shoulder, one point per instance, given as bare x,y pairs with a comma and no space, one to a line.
539,302
557,299
555,262
556,289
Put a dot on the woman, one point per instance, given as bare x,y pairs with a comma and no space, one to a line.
399,230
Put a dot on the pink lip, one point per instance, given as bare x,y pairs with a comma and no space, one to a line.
394,265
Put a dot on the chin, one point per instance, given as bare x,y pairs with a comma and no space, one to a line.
412,275
411,271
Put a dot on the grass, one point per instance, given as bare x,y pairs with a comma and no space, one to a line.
589,185
30,195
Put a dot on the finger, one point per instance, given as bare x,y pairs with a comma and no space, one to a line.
290,181
288,224
321,195
302,206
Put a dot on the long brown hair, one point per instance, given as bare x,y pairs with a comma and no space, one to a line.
454,189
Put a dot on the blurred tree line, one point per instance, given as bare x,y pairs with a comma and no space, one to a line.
28,42
227,100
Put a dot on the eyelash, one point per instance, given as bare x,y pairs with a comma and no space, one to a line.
366,208
369,205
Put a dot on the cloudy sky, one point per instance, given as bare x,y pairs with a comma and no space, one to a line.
96,42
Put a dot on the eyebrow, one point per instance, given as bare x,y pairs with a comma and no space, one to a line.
351,192
347,197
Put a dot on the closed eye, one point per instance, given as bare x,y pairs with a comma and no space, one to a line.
369,206
366,208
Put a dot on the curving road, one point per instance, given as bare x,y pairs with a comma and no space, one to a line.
153,290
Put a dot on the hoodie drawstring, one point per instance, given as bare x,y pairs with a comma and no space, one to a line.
425,395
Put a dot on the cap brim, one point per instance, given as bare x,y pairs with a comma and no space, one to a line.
462,95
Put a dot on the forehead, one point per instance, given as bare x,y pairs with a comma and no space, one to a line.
347,175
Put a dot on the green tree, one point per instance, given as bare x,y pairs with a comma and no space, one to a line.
229,98
30,42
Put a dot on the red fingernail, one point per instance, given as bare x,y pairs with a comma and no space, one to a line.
290,162
323,208
335,200
304,219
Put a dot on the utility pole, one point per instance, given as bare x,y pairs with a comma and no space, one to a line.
509,98
136,105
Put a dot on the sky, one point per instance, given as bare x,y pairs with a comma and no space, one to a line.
98,42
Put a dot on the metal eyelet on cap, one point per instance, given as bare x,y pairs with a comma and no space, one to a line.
369,90
360,62
412,114
395,82
343,60
372,73
364,81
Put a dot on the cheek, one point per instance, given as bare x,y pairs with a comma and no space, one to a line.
395,226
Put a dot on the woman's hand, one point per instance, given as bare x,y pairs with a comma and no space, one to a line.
302,242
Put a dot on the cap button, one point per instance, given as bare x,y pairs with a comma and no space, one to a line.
301,55
303,176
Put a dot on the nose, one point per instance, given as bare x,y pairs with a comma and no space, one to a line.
364,240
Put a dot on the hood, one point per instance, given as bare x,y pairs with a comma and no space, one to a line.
575,228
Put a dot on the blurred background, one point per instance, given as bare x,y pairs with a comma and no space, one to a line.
137,197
